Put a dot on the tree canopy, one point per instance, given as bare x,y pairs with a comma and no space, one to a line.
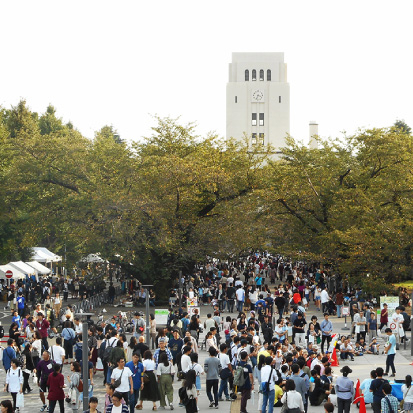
162,204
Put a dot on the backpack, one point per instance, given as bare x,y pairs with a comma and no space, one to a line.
101,350
108,352
239,379
183,396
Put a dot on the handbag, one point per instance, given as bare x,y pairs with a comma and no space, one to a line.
20,400
118,381
225,373
145,378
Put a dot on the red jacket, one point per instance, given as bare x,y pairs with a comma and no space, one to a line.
43,327
56,387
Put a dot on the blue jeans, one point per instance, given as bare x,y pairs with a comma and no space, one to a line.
339,307
268,397
240,305
223,388
133,400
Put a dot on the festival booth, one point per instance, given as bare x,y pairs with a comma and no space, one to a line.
25,269
16,274
44,256
41,269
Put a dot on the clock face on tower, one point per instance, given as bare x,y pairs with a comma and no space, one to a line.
258,96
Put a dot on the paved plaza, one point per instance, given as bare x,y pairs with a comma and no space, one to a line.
361,367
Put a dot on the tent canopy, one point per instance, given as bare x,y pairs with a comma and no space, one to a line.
41,269
92,258
23,267
16,273
42,254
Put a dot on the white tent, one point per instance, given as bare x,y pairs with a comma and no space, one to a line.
23,267
41,269
42,254
92,258
16,273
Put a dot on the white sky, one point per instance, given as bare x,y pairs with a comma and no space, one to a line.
99,62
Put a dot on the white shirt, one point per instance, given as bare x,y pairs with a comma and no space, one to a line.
240,294
265,374
78,328
324,296
124,384
14,378
57,353
224,359
117,409
185,362
149,365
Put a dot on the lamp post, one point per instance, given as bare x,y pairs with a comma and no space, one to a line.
147,313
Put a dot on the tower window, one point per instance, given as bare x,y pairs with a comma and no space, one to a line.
261,119
236,99
269,75
261,74
254,75
261,139
279,99
254,119
247,75
254,139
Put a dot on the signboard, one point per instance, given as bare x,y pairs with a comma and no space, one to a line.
194,311
9,274
346,311
392,303
161,316
192,302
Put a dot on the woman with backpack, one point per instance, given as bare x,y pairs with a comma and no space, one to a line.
188,393
14,380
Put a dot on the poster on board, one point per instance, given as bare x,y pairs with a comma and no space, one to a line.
161,316
192,302
392,303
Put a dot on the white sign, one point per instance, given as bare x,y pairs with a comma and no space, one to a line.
161,316
392,303
346,311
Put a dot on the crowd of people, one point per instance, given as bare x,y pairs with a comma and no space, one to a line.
258,336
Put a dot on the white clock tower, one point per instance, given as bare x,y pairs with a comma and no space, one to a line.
258,99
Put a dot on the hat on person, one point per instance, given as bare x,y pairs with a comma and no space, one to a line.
311,352
346,369
162,340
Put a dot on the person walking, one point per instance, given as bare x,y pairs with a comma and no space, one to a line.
149,389
344,390
122,379
390,350
211,367
165,373
226,372
249,381
14,380
74,380
43,369
267,388
136,367
240,293
56,383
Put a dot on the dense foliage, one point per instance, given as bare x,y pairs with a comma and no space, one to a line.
166,202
